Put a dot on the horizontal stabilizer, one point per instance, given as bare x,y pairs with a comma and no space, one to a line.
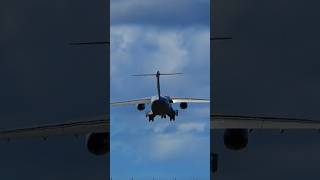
160,74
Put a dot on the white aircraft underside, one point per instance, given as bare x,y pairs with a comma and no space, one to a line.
160,106
102,124
259,122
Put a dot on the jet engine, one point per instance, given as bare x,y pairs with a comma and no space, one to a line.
236,139
98,143
141,107
183,105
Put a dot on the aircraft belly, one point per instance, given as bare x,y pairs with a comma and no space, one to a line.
160,107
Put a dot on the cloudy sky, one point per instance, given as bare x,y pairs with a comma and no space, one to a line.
170,36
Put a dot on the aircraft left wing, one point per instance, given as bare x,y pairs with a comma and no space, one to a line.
252,122
190,100
71,128
131,102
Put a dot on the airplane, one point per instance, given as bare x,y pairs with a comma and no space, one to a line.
97,129
237,128
160,105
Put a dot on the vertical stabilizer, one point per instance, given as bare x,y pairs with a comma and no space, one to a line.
158,74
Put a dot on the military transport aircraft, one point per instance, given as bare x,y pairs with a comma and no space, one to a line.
237,129
97,129
160,105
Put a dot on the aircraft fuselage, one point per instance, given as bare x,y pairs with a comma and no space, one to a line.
161,106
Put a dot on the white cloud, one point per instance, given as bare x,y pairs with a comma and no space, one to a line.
145,49
172,146
157,12
171,55
192,127
160,128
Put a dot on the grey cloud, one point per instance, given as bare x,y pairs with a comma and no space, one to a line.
161,13
181,49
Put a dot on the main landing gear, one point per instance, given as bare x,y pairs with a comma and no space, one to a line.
151,118
173,116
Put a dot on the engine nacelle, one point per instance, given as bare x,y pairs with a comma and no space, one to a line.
141,107
236,139
98,143
183,105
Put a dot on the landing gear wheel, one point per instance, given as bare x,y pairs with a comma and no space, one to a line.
151,118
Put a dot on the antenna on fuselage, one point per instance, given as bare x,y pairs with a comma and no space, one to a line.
158,74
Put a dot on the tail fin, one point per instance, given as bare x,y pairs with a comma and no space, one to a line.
158,74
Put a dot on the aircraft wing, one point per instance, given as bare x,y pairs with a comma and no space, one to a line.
131,102
71,128
190,100
251,122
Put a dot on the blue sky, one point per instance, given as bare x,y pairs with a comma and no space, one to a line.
170,36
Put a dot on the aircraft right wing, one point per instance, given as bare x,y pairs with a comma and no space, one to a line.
131,102
99,125
190,100
252,122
